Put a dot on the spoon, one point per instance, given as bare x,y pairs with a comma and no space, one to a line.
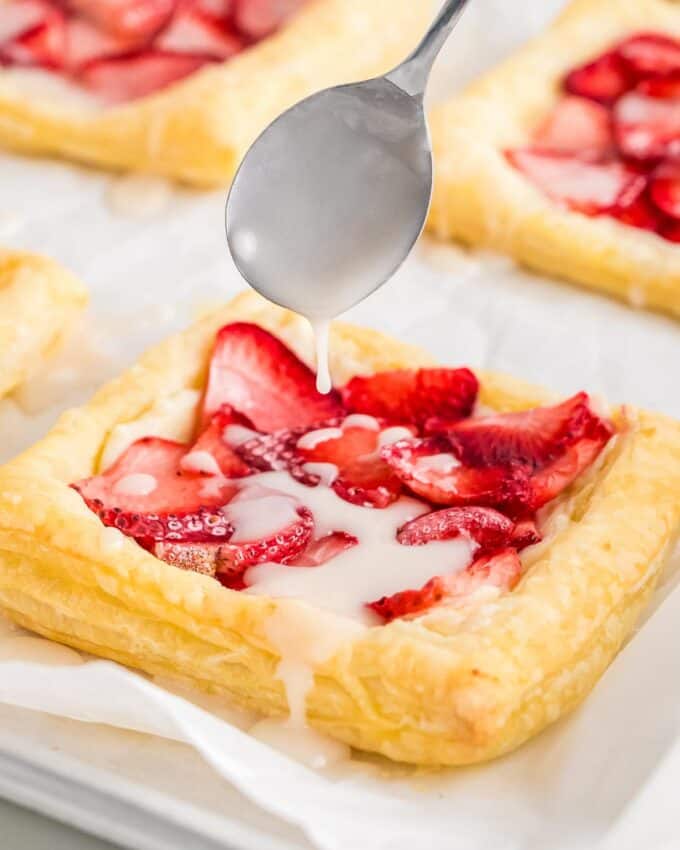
331,197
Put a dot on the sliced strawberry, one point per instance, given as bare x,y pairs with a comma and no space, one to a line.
550,481
192,31
320,551
487,527
220,9
20,17
258,18
229,560
667,87
664,188
526,533
144,495
278,451
413,395
531,438
577,126
86,42
501,570
647,128
261,378
670,230
587,187
136,19
133,75
604,79
363,477
211,454
651,54
431,470
32,33
640,212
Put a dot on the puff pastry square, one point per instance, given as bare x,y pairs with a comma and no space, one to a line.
482,200
197,130
38,300
452,687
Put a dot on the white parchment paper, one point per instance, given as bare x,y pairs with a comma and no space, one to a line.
606,777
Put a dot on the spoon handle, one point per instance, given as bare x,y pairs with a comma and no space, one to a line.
412,74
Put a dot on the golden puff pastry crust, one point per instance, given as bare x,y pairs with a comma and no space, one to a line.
38,301
198,129
456,686
482,200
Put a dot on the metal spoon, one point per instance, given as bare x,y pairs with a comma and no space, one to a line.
331,197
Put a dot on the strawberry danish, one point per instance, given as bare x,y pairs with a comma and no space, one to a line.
451,558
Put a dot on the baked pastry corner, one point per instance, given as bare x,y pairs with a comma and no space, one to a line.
38,301
480,199
455,686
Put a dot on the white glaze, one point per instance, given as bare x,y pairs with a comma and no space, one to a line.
393,435
361,420
321,328
236,435
200,461
312,439
261,516
377,567
327,472
303,643
136,484
435,463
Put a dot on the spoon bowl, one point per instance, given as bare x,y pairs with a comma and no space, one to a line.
331,197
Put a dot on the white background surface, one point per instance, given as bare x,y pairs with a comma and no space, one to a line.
609,773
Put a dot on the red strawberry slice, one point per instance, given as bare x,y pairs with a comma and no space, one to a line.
363,476
641,212
413,395
605,79
664,188
647,128
220,9
320,551
431,470
229,561
85,42
667,87
670,230
588,187
550,481
502,570
133,75
651,54
525,533
531,438
32,33
194,32
136,19
144,495
211,454
257,375
578,126
278,451
258,18
487,527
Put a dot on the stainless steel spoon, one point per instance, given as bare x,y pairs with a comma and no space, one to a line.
331,197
